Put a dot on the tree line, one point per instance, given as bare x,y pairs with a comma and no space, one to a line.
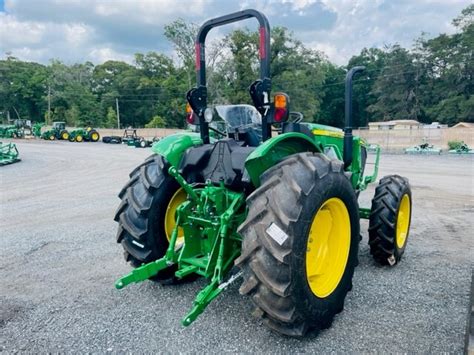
433,81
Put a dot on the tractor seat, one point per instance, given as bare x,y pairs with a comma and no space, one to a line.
248,135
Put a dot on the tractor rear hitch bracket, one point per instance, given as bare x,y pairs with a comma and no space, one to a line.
216,286
219,260
187,187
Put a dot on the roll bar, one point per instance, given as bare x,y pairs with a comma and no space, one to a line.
347,152
198,97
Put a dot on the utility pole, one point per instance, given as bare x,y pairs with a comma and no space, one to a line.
118,113
49,104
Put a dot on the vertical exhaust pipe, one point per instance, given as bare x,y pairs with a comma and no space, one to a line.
347,152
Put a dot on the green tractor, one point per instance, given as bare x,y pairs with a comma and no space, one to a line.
281,207
37,129
87,134
8,131
58,131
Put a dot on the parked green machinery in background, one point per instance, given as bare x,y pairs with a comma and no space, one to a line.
423,148
87,134
37,129
130,138
8,153
58,131
21,128
459,147
8,131
282,208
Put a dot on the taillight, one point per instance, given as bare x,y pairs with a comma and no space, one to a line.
280,107
280,114
189,114
190,118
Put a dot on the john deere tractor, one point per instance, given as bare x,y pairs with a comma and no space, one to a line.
87,134
276,198
58,131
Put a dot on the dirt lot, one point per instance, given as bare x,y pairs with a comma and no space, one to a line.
59,260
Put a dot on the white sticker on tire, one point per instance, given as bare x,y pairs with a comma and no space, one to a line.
277,234
138,244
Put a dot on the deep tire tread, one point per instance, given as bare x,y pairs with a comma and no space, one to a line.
266,264
383,219
149,186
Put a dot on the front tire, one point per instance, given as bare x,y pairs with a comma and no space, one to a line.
390,219
280,270
143,211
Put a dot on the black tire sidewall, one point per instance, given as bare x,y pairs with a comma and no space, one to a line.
154,239
332,185
156,236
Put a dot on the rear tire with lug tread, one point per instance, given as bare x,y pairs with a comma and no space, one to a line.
275,273
390,219
94,135
141,214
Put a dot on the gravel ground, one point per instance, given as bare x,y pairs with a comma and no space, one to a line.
59,260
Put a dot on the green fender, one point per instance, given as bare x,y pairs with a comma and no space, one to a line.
274,150
172,147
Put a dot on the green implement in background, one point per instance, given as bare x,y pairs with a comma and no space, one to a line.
8,153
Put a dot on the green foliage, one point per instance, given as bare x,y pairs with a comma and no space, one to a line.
156,122
455,144
111,119
22,88
182,34
72,116
396,87
332,106
432,82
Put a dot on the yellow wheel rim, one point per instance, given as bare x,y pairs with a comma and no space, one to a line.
328,246
65,136
95,136
79,139
51,138
403,221
170,216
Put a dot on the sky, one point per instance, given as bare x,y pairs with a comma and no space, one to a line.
100,30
